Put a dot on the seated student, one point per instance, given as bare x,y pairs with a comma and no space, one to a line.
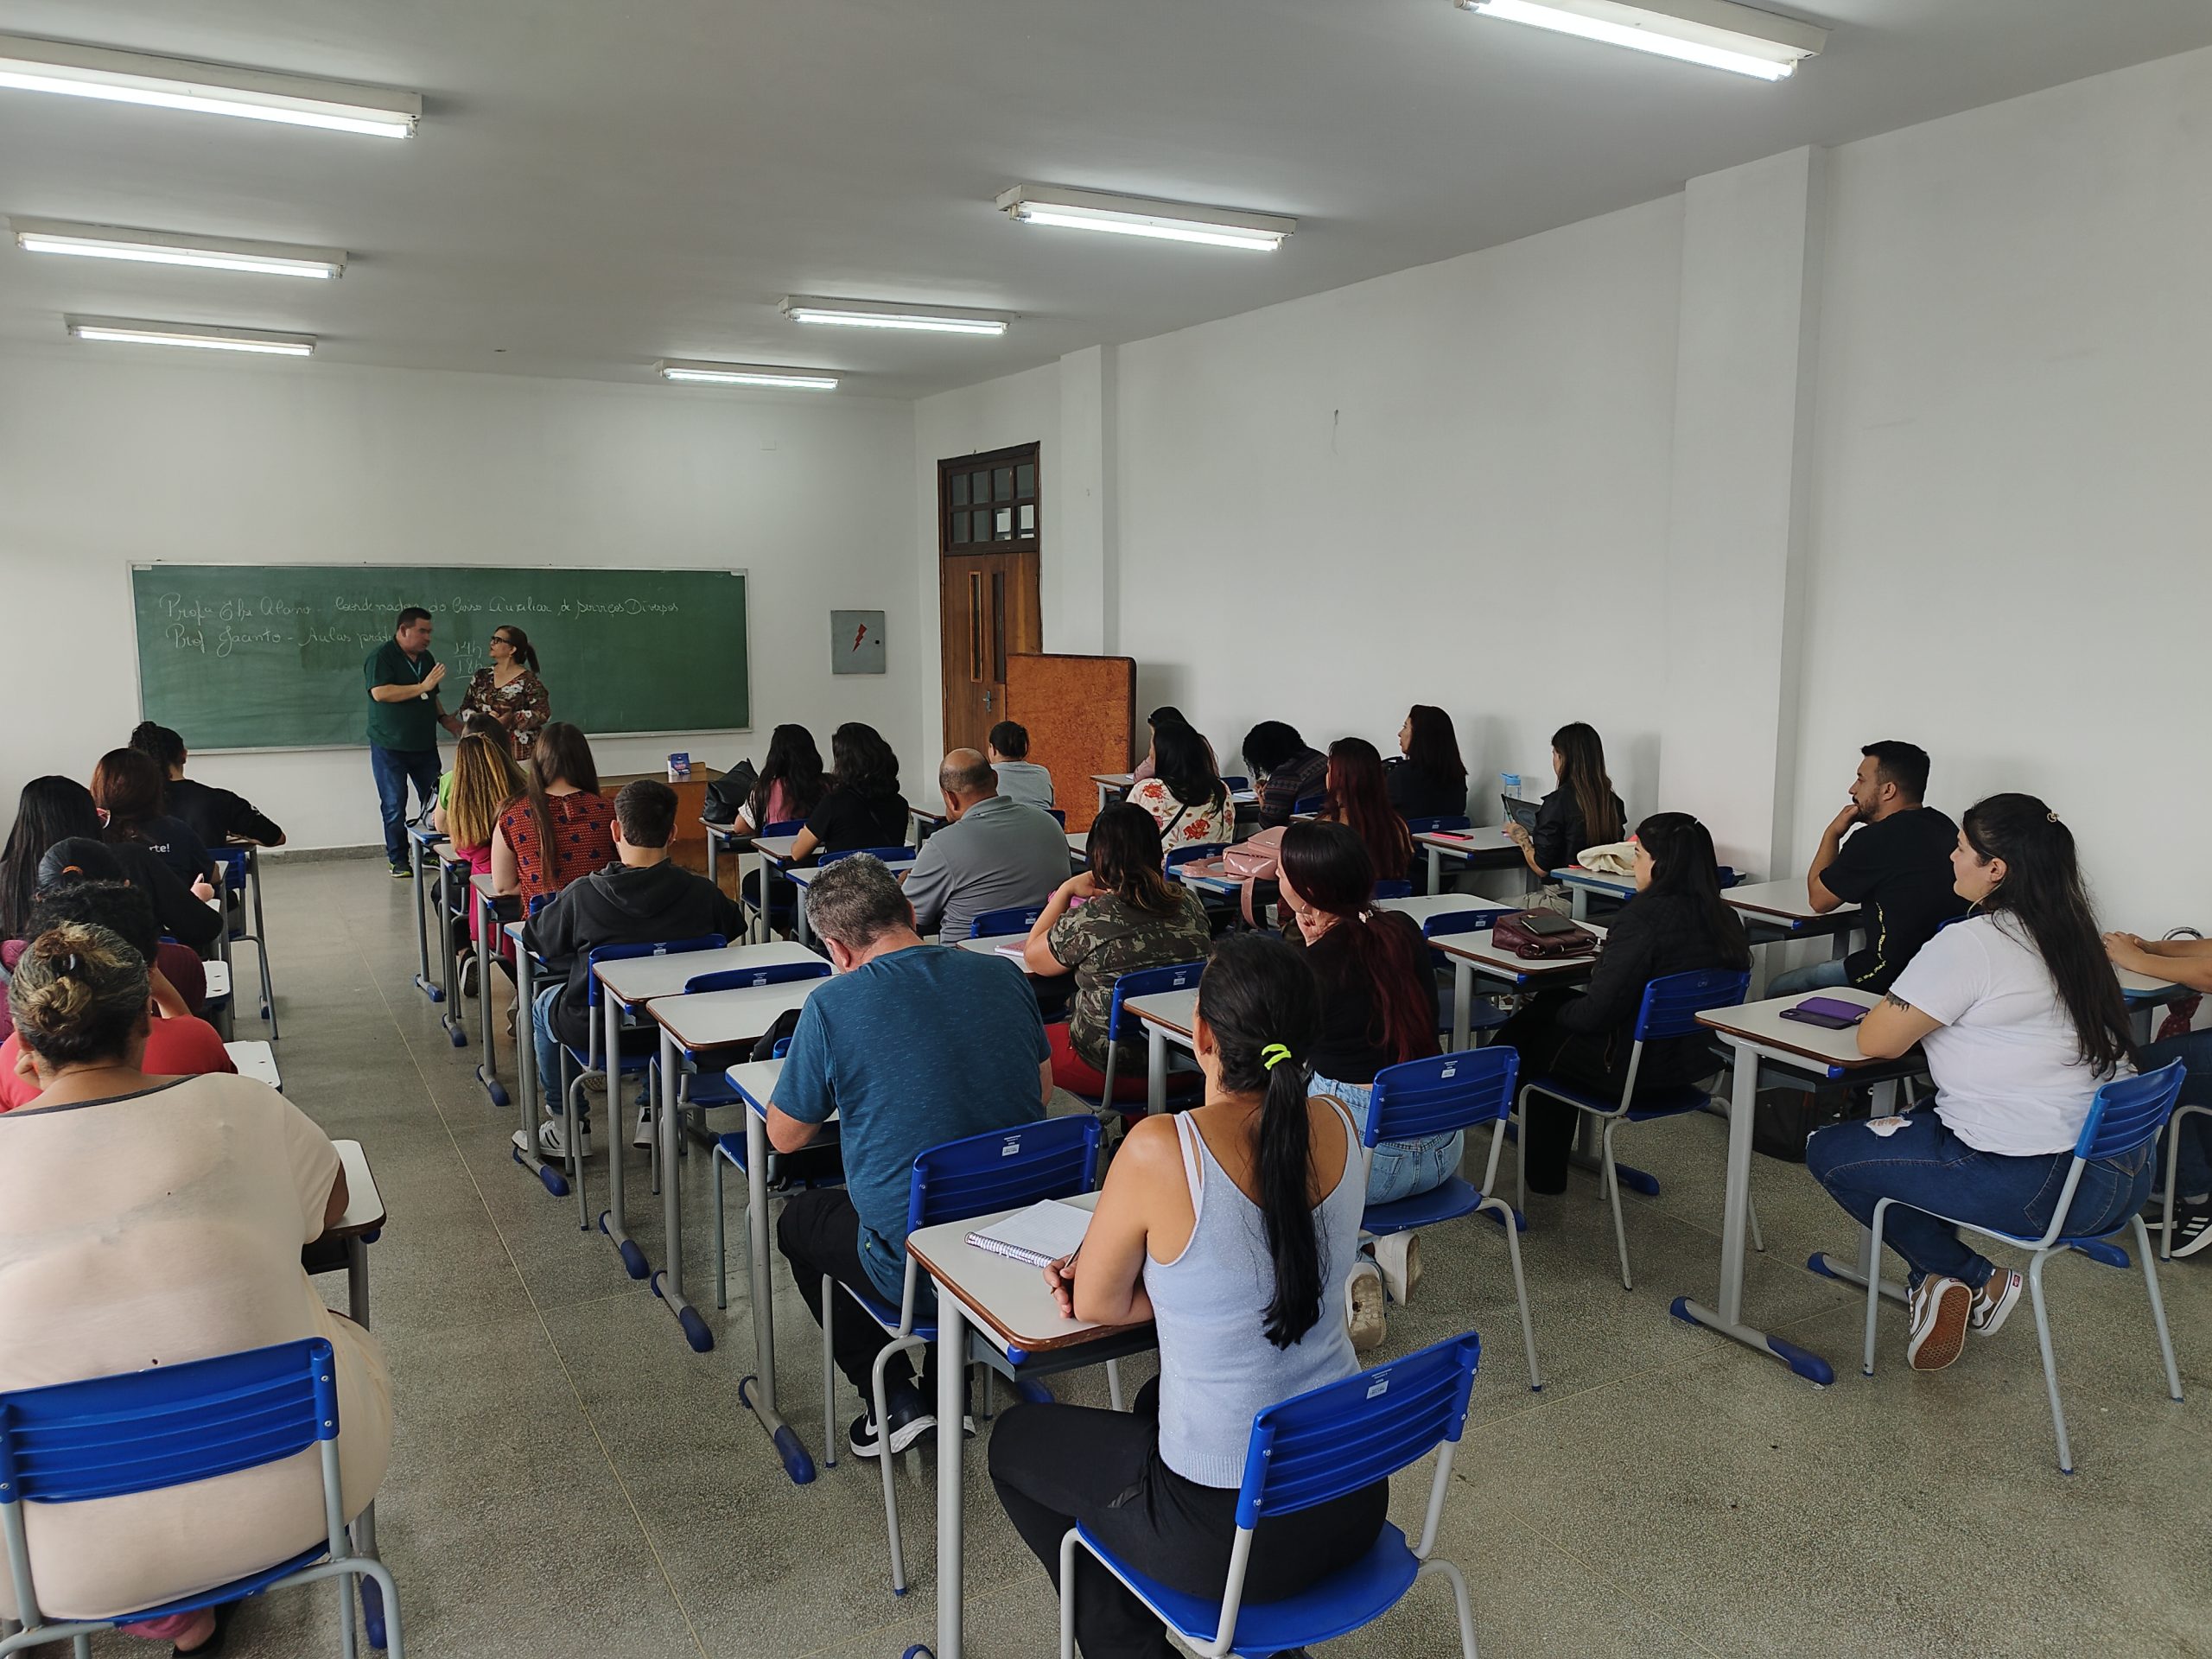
1285,769
1898,864
477,722
561,827
863,808
1120,915
2185,962
179,975
54,810
642,899
154,1220
216,816
1583,811
1019,778
911,1045
127,790
484,779
1675,923
1429,780
1185,795
992,853
179,1044
789,784
1229,1226
2021,1019
1358,798
1166,714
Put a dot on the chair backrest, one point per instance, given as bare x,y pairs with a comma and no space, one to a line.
2127,1112
1013,918
1476,920
624,953
889,855
1671,1002
232,861
1235,783
1401,888
1057,815
784,827
1432,826
740,979
1149,982
1052,1157
1729,876
1442,1094
142,1431
1338,1439
1308,803
1196,851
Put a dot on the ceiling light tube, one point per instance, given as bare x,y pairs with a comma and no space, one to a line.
74,71
1718,34
877,314
164,248
1166,221
698,371
134,331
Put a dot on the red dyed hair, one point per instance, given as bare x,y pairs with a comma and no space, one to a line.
1359,797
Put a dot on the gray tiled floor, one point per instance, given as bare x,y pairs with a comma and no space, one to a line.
569,1479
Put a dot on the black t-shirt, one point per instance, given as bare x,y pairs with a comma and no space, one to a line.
1560,834
216,815
172,840
848,820
1419,793
1350,1049
1899,870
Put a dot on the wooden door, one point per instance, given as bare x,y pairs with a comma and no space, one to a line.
990,509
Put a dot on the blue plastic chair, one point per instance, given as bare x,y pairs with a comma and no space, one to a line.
1320,1446
1670,1008
1013,918
707,1091
234,862
1058,816
1120,1024
1196,852
1235,783
1308,803
1489,1016
980,1175
765,910
1439,825
169,1425
1401,888
1447,1095
2125,1115
730,1149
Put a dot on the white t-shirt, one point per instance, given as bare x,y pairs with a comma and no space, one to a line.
2007,1061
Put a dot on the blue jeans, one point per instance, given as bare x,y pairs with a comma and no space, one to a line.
1401,1169
394,769
547,1044
1923,1162
2193,1049
1819,977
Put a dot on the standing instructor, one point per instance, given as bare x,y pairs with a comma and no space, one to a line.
404,715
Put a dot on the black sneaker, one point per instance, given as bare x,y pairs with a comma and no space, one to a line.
911,1419
402,873
2191,1231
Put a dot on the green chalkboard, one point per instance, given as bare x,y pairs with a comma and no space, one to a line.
269,655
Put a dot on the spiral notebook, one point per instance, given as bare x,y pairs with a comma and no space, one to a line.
1042,1233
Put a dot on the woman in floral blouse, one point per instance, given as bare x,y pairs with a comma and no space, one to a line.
1186,795
510,690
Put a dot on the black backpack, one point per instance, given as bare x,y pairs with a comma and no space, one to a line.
726,793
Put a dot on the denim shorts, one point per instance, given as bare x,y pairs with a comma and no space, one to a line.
1401,1169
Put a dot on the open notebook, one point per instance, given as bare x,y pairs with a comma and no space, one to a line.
1043,1233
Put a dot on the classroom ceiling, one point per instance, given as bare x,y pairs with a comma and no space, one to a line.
596,185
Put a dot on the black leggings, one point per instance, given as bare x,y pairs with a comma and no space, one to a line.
1586,1058
1056,1466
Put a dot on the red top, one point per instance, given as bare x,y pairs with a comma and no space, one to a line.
175,1048
583,841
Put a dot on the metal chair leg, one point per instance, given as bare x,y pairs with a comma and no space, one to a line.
1114,1385
829,1375
1614,1195
1874,1281
2157,1309
1520,1287
1758,1239
1461,1606
721,1237
2049,1364
882,1407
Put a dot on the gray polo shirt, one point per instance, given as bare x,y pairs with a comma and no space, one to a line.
999,852
1022,780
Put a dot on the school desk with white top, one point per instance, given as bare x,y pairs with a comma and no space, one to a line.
485,901
803,878
1422,908
721,837
691,1025
1014,1320
1167,1017
420,839
527,1083
1581,883
776,854
257,1059
1486,848
1477,953
1111,784
1078,849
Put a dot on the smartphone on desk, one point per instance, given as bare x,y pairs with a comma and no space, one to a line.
1829,1013
1547,923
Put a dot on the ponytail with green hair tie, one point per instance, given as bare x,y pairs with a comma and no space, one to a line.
1274,1055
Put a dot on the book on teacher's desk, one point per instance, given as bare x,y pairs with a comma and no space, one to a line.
1041,1234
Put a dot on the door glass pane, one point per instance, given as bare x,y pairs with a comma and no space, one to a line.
1025,484
960,489
981,488
998,627
1005,524
959,534
984,526
975,625
1029,528
1004,483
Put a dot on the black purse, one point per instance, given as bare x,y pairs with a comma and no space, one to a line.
726,793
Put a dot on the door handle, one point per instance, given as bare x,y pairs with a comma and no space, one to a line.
987,700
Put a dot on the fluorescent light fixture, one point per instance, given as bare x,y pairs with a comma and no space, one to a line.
877,314
1167,221
74,71
134,331
1718,34
697,371
162,248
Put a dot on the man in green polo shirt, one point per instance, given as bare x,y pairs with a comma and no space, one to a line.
404,715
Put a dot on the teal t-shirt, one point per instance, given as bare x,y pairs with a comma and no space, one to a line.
919,1047
412,724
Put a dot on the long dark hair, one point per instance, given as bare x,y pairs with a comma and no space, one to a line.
130,786
1582,774
525,653
1360,796
1258,993
50,809
1123,849
1181,759
562,756
1432,745
1330,869
2042,889
794,762
864,763
1683,863
159,744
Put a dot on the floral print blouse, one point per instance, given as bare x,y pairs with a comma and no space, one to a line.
521,705
1181,825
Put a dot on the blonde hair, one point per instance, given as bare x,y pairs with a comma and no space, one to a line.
79,993
484,779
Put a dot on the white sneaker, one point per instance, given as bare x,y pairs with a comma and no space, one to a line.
642,1137
553,1139
1993,1303
1365,1318
1398,1256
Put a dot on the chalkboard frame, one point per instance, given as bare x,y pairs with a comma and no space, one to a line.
137,683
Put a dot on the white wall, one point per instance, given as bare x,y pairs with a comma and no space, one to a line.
108,457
